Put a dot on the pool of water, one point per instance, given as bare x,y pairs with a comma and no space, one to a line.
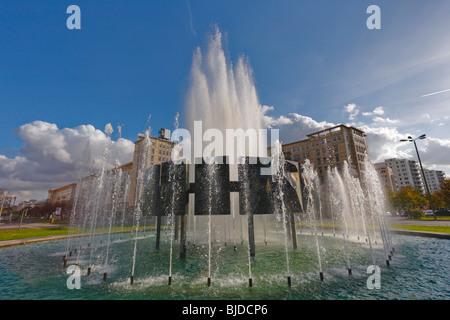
418,270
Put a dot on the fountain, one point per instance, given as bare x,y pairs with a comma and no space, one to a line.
260,204
227,227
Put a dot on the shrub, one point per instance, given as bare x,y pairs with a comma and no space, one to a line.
442,212
416,214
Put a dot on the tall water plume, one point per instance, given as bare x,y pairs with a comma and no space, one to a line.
221,95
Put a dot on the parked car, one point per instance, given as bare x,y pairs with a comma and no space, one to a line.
428,212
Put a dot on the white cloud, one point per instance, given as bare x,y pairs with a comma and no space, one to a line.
436,152
379,120
294,126
383,143
378,110
53,157
351,108
271,122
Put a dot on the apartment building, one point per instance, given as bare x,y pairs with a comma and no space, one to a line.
330,147
406,173
434,179
157,151
387,177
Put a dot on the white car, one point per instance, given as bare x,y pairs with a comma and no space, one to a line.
428,212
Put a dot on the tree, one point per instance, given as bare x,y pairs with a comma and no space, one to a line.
438,202
408,198
444,193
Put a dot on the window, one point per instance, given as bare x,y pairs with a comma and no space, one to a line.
336,149
337,158
318,153
339,138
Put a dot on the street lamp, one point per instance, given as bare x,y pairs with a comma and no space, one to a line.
410,139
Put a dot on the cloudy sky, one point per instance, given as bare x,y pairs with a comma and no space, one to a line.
315,64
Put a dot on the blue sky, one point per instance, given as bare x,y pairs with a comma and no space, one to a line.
315,64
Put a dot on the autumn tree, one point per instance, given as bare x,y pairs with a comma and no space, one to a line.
408,198
444,194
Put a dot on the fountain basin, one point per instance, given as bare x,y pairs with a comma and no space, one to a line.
35,271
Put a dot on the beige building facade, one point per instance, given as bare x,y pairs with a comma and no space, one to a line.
330,147
62,195
387,176
157,151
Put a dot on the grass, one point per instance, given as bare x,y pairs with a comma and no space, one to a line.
440,218
441,229
15,234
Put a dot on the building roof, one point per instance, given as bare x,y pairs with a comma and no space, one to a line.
327,131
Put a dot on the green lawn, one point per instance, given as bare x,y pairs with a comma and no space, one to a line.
444,218
16,234
441,229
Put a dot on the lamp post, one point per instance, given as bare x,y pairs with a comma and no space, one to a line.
410,139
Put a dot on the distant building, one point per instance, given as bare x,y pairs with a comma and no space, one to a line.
158,151
434,179
386,176
330,147
62,195
406,173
